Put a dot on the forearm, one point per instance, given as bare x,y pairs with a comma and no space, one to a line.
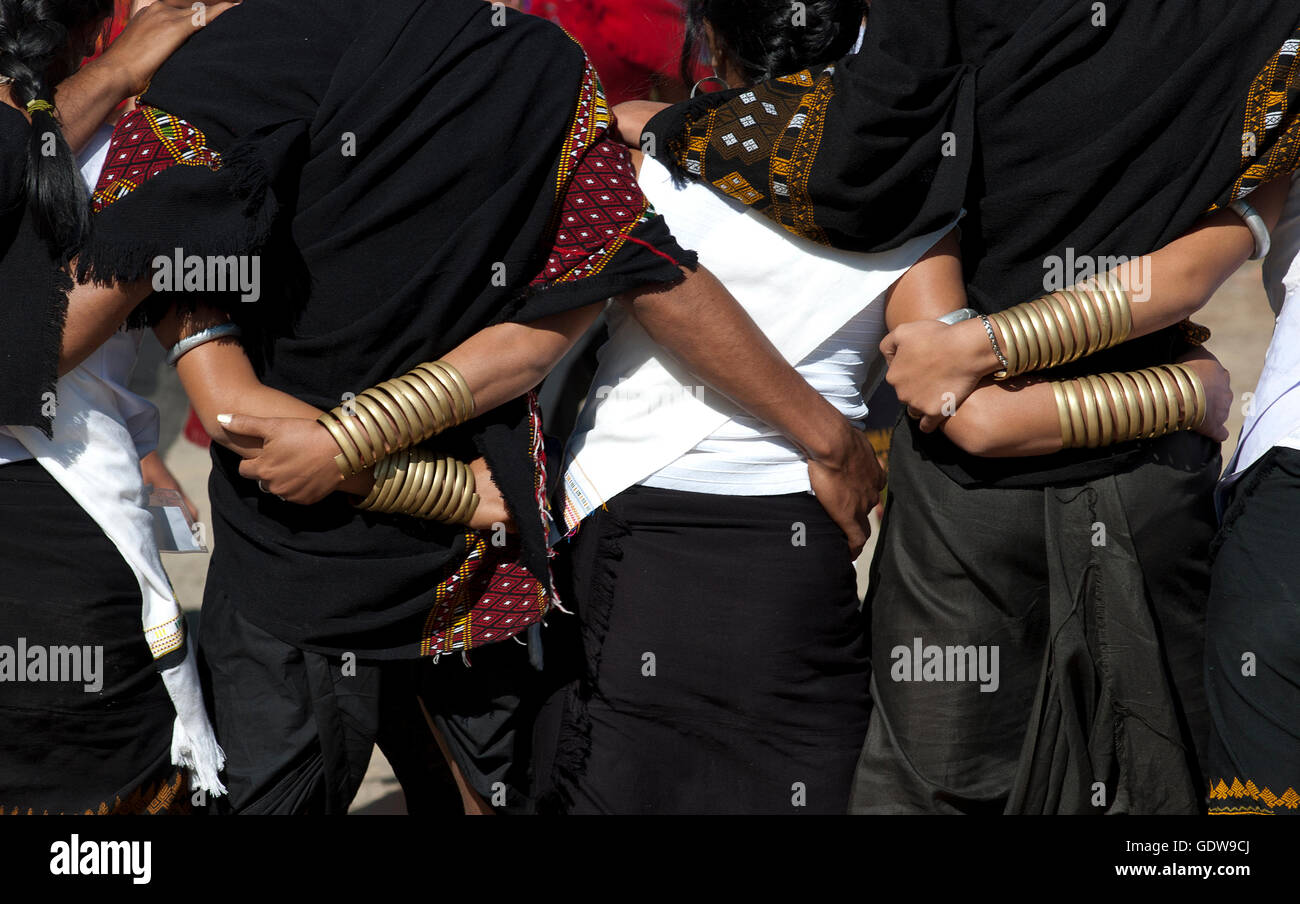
499,364
94,314
706,329
87,97
1016,418
1002,420
931,288
1175,282
631,118
1033,416
219,379
503,362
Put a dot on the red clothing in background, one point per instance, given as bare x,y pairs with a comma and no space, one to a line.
633,44
121,15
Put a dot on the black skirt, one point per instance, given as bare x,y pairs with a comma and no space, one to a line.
98,741
1091,595
726,659
1252,669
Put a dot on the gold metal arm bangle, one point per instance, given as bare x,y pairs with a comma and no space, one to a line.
1073,401
1140,405
1043,336
403,412
1120,405
365,432
1161,408
1172,398
391,437
444,490
1063,413
456,481
383,471
1091,416
1056,350
349,458
398,414
1105,409
394,482
417,478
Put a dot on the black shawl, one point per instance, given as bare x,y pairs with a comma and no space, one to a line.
401,167
1099,130
33,292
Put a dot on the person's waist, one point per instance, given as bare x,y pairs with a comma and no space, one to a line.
744,428
650,505
25,470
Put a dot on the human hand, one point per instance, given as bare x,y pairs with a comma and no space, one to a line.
492,508
155,31
157,475
631,117
934,367
296,458
1218,392
848,484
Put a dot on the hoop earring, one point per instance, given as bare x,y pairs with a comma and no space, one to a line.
710,78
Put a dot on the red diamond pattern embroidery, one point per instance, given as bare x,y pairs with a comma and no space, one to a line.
146,142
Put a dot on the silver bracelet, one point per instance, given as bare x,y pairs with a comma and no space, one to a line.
958,316
993,341
1255,223
202,337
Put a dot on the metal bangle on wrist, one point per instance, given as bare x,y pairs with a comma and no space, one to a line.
418,483
202,337
960,315
997,349
1061,327
1105,409
1258,228
398,414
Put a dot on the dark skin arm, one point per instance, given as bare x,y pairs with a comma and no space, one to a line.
706,329
701,325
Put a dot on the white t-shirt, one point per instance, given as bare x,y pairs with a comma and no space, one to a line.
746,457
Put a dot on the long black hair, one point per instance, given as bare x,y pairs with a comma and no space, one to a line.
768,38
41,43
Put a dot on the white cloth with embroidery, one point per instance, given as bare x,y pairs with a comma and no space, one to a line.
645,410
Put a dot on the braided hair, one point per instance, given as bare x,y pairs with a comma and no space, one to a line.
769,38
42,42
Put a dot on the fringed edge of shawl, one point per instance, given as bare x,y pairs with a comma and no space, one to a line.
106,260
55,324
522,511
